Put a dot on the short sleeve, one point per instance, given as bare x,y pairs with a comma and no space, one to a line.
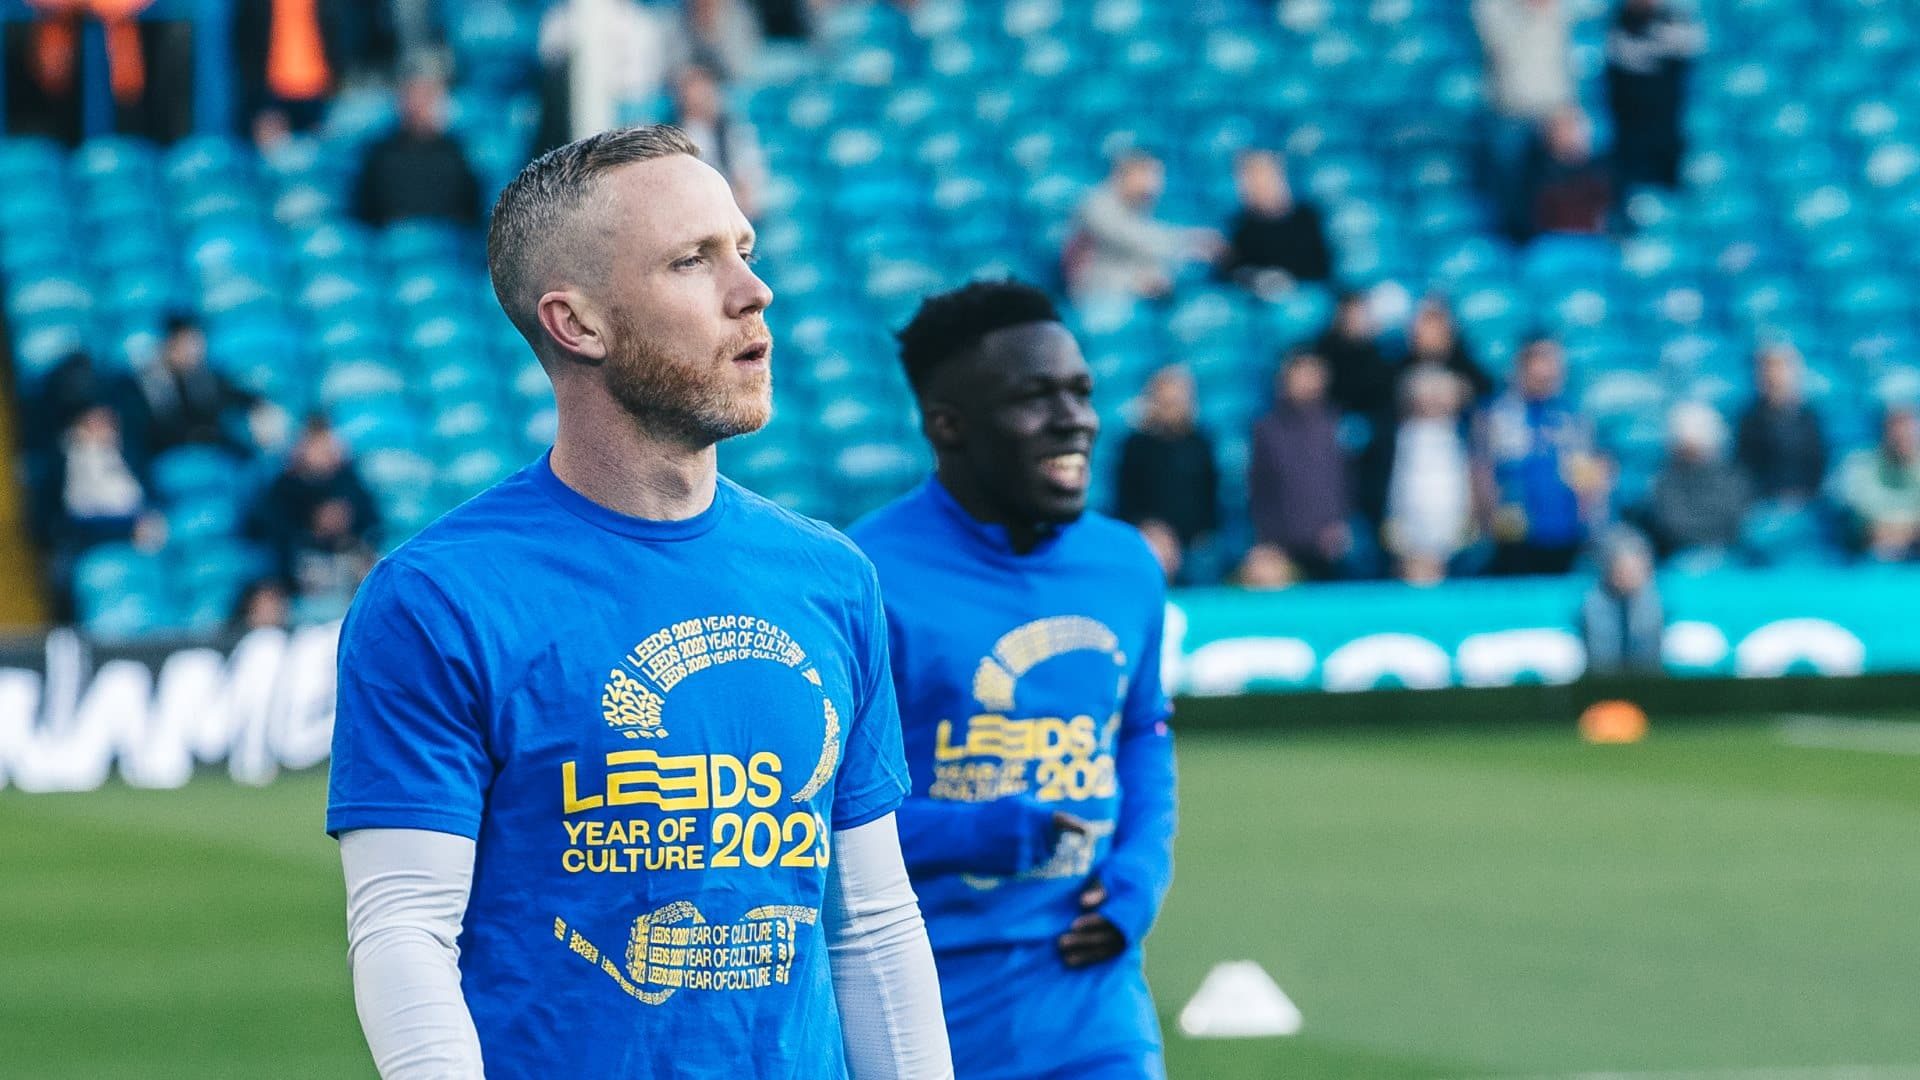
873,771
410,743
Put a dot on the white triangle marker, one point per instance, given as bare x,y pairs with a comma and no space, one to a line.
1239,1000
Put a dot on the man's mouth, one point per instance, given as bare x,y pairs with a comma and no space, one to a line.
754,355
1066,471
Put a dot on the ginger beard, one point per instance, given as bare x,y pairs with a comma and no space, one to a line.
700,401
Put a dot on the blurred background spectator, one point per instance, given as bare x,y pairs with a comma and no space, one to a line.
149,68
723,36
1650,50
1569,189
1880,486
1429,501
1528,48
1622,620
593,77
726,142
263,605
1781,444
1699,497
319,518
1169,481
289,58
1434,344
188,403
99,496
1297,486
1275,240
1361,377
1118,248
419,170
1539,469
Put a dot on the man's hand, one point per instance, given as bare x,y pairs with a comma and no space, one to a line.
1092,939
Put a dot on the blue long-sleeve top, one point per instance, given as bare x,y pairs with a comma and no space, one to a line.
1028,683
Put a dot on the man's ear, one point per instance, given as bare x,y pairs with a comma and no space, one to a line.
942,425
570,320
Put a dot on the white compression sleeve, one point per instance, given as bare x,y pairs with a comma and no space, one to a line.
883,974
406,896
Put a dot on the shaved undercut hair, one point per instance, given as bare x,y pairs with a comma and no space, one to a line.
537,221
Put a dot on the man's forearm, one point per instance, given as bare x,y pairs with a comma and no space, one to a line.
1139,867
406,897
883,974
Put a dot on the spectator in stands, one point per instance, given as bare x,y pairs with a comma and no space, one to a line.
1649,51
1881,486
1297,488
629,55
1622,620
148,75
263,605
1538,469
1118,247
726,142
1429,502
96,493
1169,484
724,36
419,171
1274,240
186,401
1529,53
1699,498
1361,375
317,515
1434,344
73,386
1569,191
1781,444
287,59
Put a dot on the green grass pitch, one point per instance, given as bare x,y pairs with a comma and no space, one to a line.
1712,903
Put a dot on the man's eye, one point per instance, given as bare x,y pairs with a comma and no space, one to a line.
749,257
689,262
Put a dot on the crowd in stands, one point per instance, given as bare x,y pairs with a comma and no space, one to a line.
93,439
1392,447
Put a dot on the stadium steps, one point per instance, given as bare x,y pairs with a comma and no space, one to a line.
22,605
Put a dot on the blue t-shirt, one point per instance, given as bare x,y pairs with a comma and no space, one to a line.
650,729
1028,684
1531,444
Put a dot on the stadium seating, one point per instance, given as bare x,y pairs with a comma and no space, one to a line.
915,152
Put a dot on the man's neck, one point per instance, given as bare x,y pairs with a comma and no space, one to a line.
1022,537
608,458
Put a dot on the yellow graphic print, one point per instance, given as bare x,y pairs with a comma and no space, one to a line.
675,948
829,752
1027,647
631,707
644,810
993,755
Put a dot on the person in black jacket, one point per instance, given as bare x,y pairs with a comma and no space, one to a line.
318,503
1274,240
186,401
1434,343
1781,444
1362,376
1649,51
419,171
1169,478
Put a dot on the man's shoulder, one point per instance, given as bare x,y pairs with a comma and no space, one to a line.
777,524
475,533
1114,545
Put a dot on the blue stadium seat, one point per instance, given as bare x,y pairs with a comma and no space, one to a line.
192,472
